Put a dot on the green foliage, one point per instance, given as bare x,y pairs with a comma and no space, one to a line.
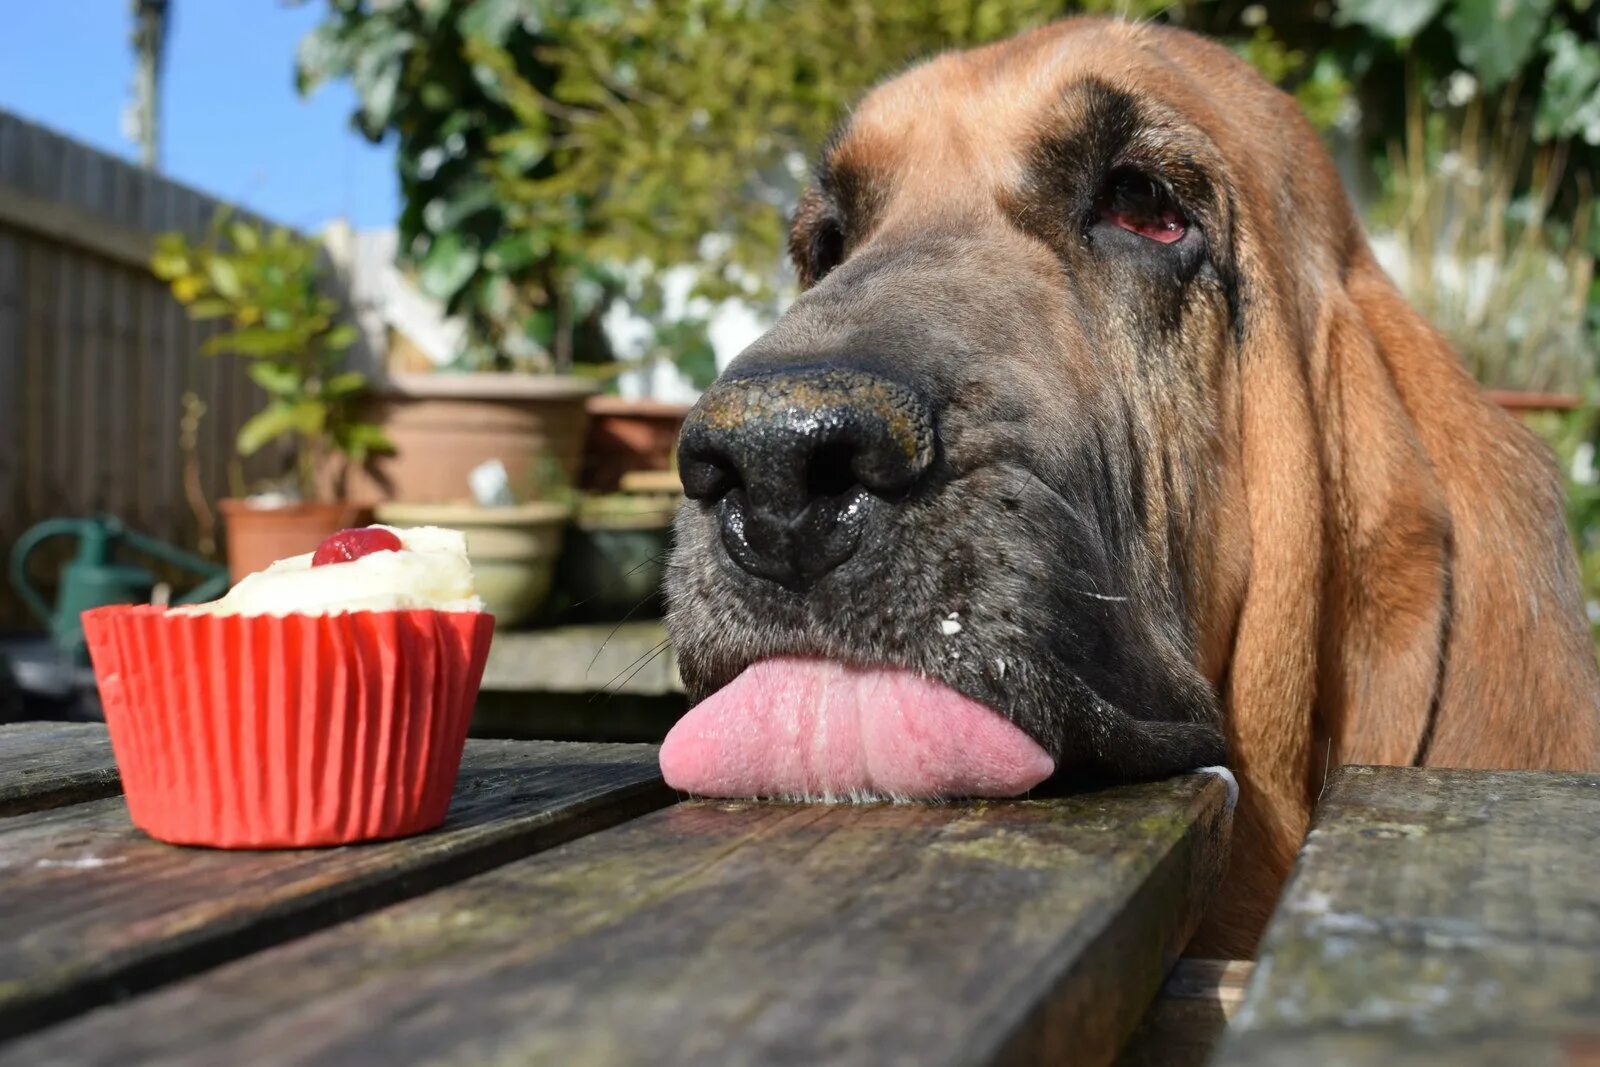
1397,20
545,144
267,287
1571,436
542,140
1467,212
1569,106
1544,48
1319,85
1495,40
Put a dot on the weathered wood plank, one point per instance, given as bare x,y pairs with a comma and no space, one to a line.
50,764
1186,1021
733,933
1436,916
91,909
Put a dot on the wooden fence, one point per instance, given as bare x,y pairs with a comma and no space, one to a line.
95,355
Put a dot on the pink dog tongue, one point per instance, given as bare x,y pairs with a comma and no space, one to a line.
811,728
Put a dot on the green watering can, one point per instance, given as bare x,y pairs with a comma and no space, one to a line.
94,579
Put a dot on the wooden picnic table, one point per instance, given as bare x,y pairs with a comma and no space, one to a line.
573,911
1436,917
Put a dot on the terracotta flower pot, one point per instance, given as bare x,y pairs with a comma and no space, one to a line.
258,536
628,435
1522,403
444,425
513,550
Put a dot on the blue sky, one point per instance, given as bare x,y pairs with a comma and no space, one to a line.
234,125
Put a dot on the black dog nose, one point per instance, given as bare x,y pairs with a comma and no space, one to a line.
797,462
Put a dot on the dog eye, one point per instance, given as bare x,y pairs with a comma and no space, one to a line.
827,248
1139,204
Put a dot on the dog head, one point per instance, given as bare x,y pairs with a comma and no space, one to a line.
1096,415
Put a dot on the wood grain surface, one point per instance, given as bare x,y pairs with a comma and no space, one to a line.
1436,916
732,933
48,764
92,909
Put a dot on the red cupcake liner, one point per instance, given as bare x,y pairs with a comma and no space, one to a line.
266,732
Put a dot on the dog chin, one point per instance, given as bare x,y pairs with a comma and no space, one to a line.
816,729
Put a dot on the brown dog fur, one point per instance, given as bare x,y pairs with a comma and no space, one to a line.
1383,574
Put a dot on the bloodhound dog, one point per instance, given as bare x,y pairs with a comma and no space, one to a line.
1099,445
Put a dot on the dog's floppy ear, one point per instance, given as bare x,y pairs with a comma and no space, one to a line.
1386,586
1412,596
1516,677
1452,629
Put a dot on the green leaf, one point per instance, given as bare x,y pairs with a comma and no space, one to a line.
1496,38
345,384
540,327
447,266
210,307
376,72
322,54
258,341
1569,99
1397,20
310,417
341,337
275,421
358,440
245,237
466,200
171,258
515,251
188,288
224,277
491,20
432,11
277,379
698,363
523,148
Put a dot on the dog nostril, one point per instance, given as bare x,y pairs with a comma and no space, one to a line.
828,472
708,477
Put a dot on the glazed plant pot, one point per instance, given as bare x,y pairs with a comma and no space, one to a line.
444,425
258,536
615,558
628,435
513,549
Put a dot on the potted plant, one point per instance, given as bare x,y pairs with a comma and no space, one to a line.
266,287
616,551
513,538
508,393
441,426
628,435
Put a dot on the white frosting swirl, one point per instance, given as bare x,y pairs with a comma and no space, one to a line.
429,572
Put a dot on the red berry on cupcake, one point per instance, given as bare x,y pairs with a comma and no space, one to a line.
347,545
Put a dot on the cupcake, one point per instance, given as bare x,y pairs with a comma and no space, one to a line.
322,701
